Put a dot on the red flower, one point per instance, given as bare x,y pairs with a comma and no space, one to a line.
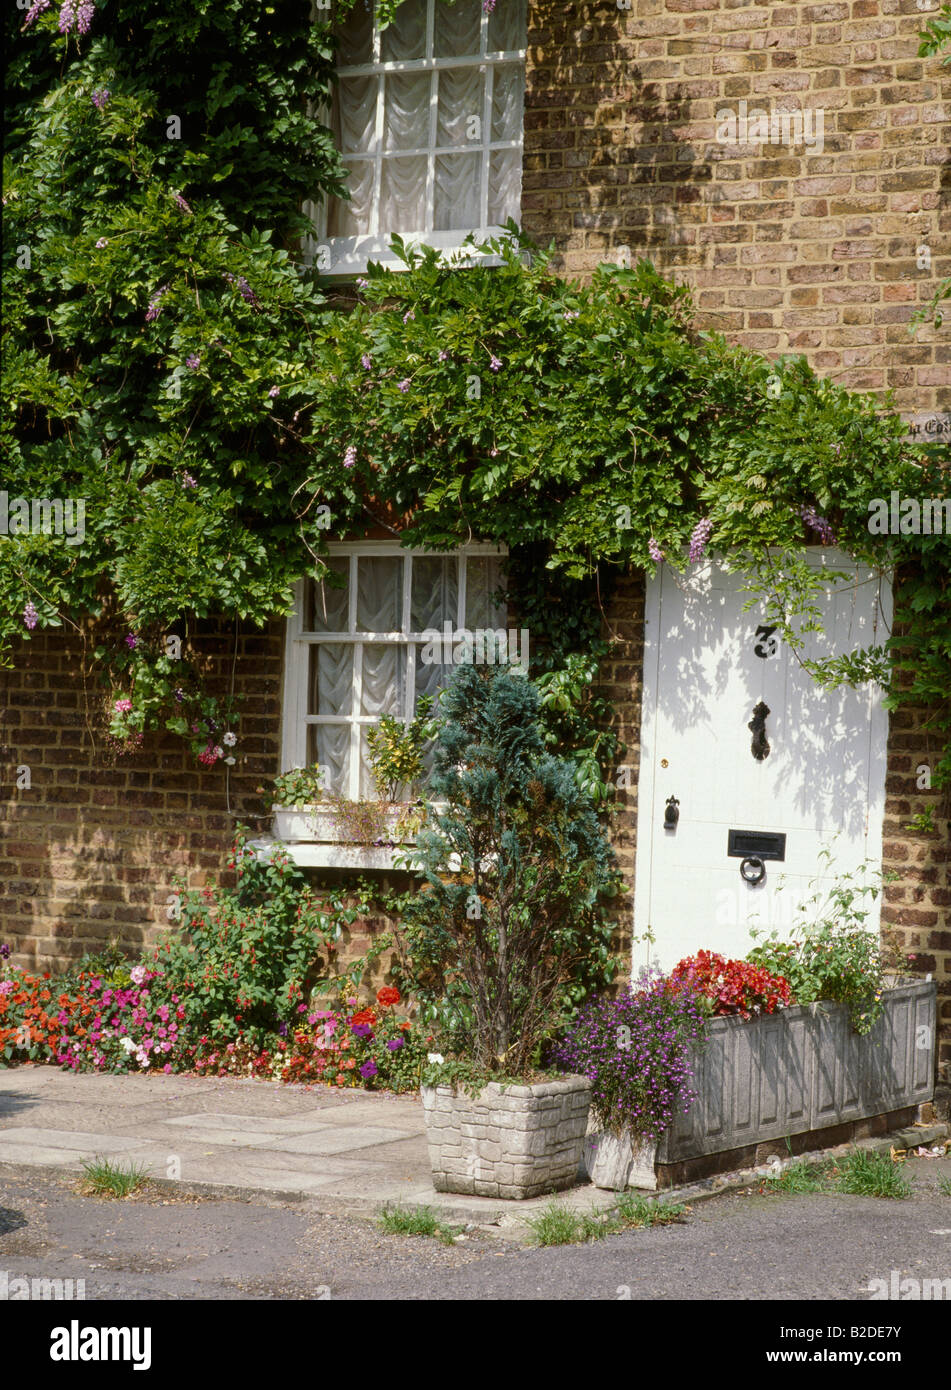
364,1016
387,995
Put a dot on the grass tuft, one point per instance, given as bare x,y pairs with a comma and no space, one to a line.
559,1225
800,1177
944,1186
103,1178
417,1221
865,1174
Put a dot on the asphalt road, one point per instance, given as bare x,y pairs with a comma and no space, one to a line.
748,1246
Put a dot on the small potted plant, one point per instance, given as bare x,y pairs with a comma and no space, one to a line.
305,809
508,920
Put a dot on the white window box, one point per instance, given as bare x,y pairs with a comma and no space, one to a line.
324,855
318,823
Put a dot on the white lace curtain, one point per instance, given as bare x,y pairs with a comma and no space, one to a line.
405,176
354,683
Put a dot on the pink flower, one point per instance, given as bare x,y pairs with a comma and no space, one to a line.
123,706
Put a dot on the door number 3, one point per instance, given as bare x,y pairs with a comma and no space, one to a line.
765,644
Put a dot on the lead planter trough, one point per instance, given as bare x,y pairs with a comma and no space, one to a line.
508,1141
798,1071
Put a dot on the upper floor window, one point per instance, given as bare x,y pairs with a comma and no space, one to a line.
428,116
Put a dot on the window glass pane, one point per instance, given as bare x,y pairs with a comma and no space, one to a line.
384,679
329,745
505,186
403,195
380,594
508,26
325,609
507,94
431,677
356,36
330,689
355,113
461,96
406,124
435,592
457,192
405,38
353,218
484,577
456,28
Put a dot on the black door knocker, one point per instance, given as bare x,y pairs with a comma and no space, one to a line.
752,870
671,813
759,745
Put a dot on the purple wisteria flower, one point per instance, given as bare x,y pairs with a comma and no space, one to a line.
495,363
67,16
131,641
443,354
274,391
408,316
366,361
362,282
30,616
188,480
368,1069
103,241
818,524
100,97
155,303
654,551
350,456
403,385
699,538
193,361
35,9
244,289
181,204
84,15
488,6
179,695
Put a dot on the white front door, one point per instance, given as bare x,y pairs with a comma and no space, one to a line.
812,769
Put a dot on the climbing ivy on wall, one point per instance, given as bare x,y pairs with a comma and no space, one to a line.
171,362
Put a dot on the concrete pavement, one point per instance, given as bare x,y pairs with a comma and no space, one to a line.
339,1152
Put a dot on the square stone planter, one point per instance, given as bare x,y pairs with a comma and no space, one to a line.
509,1141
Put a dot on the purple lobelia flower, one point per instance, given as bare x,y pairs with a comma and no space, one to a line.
30,616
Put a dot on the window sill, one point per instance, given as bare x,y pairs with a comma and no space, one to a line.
324,855
344,258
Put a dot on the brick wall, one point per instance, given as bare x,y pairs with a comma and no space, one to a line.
88,852
788,250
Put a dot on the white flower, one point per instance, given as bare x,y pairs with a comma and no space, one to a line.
230,761
127,1043
229,740
436,1057
137,974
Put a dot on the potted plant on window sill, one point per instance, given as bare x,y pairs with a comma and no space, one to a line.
509,922
304,809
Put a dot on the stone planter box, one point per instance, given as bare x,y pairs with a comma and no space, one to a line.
509,1141
799,1072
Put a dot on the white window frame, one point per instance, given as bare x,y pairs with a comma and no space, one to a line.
345,257
295,719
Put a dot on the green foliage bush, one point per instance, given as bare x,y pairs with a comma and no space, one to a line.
511,924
